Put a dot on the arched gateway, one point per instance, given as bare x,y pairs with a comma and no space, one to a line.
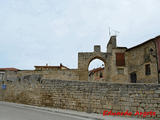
84,59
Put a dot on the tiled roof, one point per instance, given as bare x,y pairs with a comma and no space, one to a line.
96,70
9,69
47,66
51,66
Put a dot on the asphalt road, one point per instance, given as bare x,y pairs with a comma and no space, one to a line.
11,112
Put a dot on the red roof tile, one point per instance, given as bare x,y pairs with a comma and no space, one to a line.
51,66
9,69
96,70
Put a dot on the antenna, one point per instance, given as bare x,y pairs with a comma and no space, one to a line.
112,30
109,31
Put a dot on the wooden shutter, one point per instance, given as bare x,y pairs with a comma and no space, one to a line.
120,59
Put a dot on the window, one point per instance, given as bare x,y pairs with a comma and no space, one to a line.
101,75
120,59
120,70
133,77
147,69
1,76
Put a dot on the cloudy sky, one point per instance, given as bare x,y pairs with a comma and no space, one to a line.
36,32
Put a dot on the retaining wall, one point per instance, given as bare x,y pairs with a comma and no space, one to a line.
87,96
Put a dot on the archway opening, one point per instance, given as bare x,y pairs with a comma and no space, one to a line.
96,70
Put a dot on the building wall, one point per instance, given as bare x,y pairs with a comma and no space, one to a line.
8,75
2,73
64,74
31,75
96,75
86,96
136,60
113,70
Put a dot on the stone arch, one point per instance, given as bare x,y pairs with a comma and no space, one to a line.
97,57
96,77
84,59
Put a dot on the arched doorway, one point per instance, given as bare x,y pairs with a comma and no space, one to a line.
96,70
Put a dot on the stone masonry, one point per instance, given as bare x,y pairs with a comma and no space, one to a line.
87,96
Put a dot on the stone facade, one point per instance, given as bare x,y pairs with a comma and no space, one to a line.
137,58
64,74
96,74
123,65
50,68
86,96
8,74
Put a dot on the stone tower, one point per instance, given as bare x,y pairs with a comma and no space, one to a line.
111,44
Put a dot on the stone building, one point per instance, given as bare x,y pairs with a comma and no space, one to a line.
139,64
142,62
96,74
61,67
8,74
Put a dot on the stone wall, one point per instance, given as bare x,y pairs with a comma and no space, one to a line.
113,70
136,60
86,96
71,74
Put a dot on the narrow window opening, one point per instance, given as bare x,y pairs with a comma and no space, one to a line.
133,77
101,75
147,69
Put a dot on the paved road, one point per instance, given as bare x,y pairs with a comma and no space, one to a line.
11,112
